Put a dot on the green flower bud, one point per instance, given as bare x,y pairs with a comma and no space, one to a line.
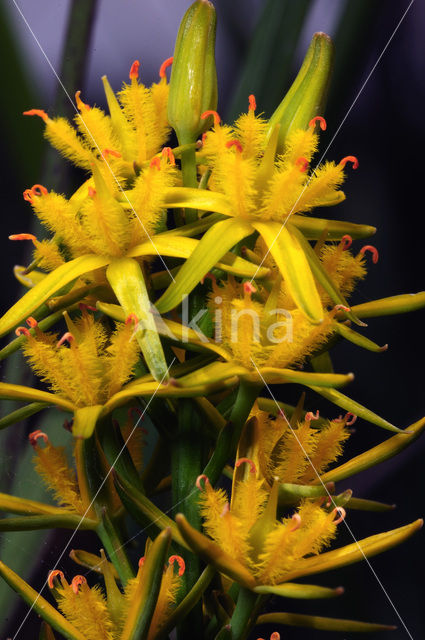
193,83
307,95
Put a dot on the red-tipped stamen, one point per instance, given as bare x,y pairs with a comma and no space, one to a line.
302,163
134,70
342,514
309,416
199,480
296,519
234,143
320,120
31,322
209,276
67,337
275,635
131,319
253,468
52,575
19,331
352,159
350,418
373,250
77,581
162,69
39,190
155,162
27,195
35,435
180,562
210,112
167,152
86,307
204,137
37,112
252,103
23,236
80,104
249,288
111,152
141,562
341,307
346,242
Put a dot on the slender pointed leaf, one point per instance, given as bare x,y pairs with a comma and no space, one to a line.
22,414
313,228
65,520
390,306
19,392
361,504
13,504
319,622
299,591
357,338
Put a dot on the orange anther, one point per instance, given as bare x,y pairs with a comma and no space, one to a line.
35,435
77,581
22,330
199,480
252,103
352,159
320,120
67,337
204,137
168,153
342,513
209,113
31,322
91,192
111,152
134,70
155,162
234,143
346,242
39,190
52,575
23,236
209,276
296,519
373,250
275,635
80,104
28,195
309,416
302,163
167,63
131,319
350,418
249,288
141,561
180,562
341,307
37,112
253,468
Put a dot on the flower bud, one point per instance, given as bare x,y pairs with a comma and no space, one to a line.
306,97
193,83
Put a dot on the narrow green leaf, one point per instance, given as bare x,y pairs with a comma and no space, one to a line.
299,591
290,494
190,198
390,306
354,407
319,622
293,265
360,504
281,376
65,520
358,338
380,453
23,506
213,246
19,392
126,279
91,561
22,414
313,228
41,606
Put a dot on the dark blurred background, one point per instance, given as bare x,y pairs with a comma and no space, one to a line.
385,130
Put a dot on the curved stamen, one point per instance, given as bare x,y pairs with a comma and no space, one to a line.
27,195
302,163
111,152
80,104
52,575
342,513
67,337
249,288
35,435
234,143
199,480
296,519
167,152
341,307
132,319
209,276
350,418
309,416
39,190
167,63
23,236
352,159
210,112
141,562
155,162
19,331
253,468
77,581
37,112
134,70
86,307
252,103
373,250
31,322
346,242
180,562
320,120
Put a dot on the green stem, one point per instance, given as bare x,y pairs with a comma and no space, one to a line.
190,179
114,548
242,617
228,438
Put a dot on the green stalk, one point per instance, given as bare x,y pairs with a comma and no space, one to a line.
228,438
114,548
190,178
242,618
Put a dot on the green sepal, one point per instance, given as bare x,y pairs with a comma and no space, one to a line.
313,228
357,338
305,99
319,622
23,506
41,606
299,591
290,494
65,520
358,409
145,596
390,306
376,455
126,279
213,246
118,456
51,284
292,263
20,392
114,596
85,419
91,561
22,414
361,504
